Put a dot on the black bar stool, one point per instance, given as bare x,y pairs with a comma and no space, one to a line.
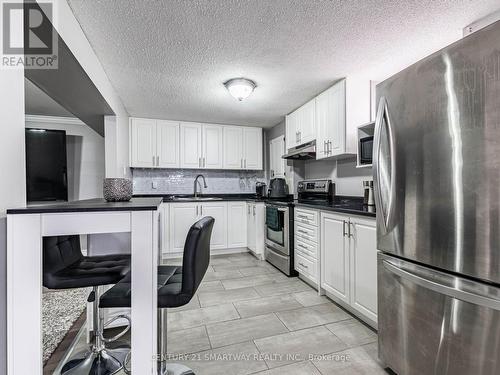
176,287
65,267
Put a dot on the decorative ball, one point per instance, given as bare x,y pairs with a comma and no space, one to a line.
117,189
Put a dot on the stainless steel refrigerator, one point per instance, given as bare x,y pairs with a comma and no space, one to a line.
437,188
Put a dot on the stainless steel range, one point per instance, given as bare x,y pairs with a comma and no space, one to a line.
316,191
279,236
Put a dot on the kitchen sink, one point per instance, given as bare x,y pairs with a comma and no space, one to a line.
196,199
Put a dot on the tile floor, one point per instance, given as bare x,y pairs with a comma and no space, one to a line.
249,318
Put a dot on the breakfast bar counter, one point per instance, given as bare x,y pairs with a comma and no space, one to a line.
25,229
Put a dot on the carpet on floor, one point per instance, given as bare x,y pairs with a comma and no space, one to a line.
60,310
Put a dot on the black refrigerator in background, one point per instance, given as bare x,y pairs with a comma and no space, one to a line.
46,165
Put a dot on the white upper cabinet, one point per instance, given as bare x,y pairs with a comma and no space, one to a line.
291,135
174,144
191,145
252,144
332,118
330,122
307,122
142,143
212,147
242,147
233,147
276,162
301,125
167,144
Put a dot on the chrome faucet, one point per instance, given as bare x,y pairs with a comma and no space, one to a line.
196,183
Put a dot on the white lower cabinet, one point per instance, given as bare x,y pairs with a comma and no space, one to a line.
306,244
229,231
255,228
334,256
182,217
218,210
349,262
237,224
364,267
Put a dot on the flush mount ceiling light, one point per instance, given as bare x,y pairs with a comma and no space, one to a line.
240,88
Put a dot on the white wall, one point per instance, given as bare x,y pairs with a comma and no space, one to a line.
69,29
85,154
12,172
348,179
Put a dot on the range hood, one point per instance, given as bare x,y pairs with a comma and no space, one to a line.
303,152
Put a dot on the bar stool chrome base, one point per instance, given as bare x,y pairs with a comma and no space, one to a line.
103,362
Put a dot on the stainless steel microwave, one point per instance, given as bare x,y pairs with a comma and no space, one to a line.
366,150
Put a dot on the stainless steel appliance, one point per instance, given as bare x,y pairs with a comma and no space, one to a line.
279,236
437,187
368,197
316,190
278,188
366,150
260,190
303,152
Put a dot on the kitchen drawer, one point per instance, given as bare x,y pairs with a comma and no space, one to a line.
306,266
307,232
310,217
309,248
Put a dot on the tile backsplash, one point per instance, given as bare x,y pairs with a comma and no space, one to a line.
180,181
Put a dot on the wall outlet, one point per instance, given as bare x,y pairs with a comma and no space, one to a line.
154,184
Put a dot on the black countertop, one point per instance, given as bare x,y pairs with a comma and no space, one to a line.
221,197
342,204
90,205
345,205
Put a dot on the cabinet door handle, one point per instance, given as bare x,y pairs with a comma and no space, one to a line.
304,247
351,234
196,210
204,163
153,161
201,209
241,163
253,210
157,161
343,228
245,163
329,147
303,265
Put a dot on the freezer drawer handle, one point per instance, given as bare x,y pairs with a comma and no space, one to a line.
443,289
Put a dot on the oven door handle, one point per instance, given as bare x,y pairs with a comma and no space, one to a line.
280,209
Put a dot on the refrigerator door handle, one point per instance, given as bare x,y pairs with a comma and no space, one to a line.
388,213
450,291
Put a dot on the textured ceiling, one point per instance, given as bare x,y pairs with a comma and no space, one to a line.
168,59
